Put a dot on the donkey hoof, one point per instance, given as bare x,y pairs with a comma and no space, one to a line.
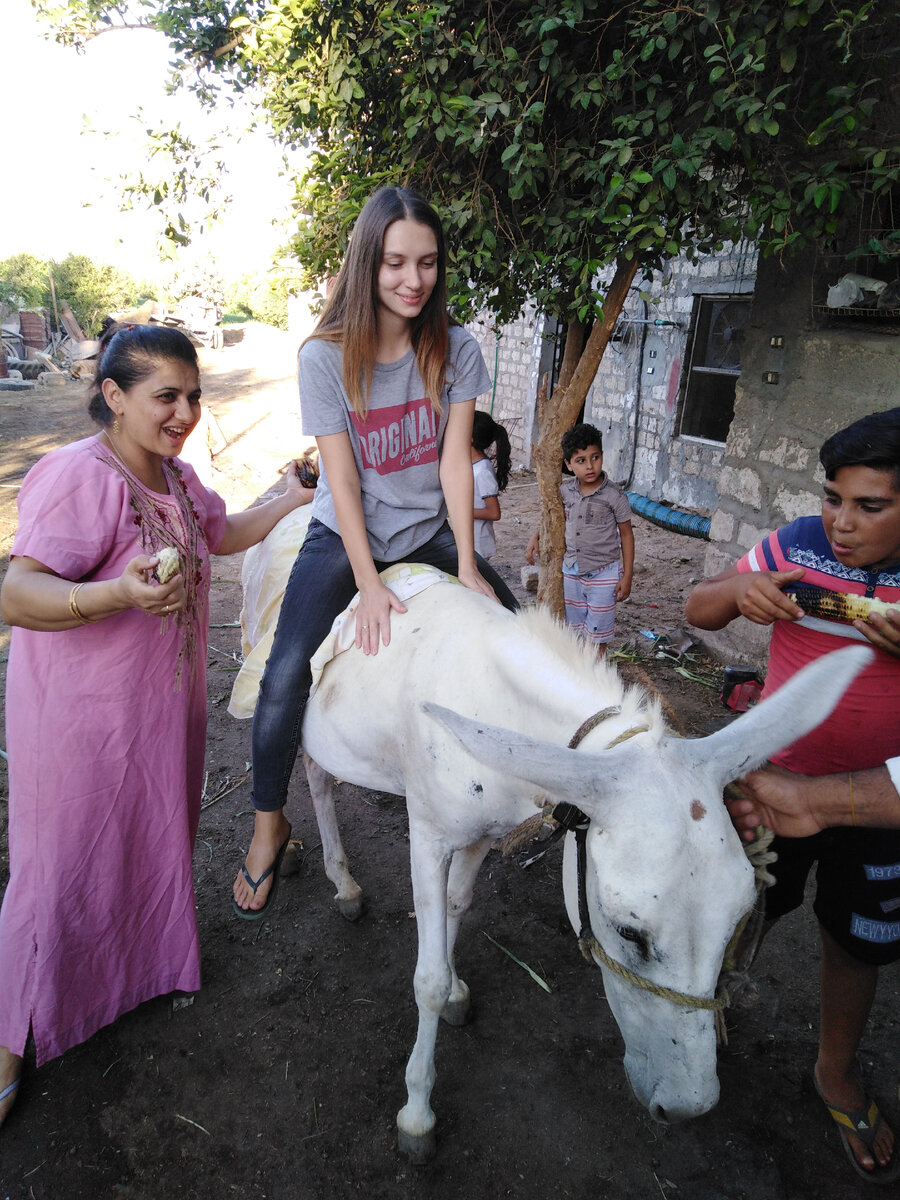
352,909
457,1012
290,863
419,1148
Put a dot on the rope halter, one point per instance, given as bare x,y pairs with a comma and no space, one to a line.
571,819
566,818
592,950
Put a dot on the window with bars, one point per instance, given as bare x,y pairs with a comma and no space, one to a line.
715,342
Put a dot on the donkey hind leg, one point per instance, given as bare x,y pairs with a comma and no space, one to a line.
430,869
349,894
464,869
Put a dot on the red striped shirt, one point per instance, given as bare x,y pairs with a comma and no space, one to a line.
864,729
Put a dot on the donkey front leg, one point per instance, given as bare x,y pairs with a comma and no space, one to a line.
430,868
349,894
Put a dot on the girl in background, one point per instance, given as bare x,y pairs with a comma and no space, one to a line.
491,475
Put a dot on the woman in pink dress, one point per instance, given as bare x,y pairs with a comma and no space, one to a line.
106,705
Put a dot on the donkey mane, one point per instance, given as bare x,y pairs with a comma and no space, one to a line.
578,655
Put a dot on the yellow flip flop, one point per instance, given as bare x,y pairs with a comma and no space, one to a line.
865,1122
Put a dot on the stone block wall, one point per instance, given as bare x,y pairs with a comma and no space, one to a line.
513,355
803,376
827,376
634,398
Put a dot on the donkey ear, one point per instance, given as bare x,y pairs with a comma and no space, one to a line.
554,768
792,712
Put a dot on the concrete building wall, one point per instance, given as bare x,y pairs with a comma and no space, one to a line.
804,375
634,398
515,356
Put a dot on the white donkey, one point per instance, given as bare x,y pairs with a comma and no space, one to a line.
469,713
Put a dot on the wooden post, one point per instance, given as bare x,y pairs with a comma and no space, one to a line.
53,297
72,328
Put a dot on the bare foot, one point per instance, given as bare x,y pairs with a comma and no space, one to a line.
847,1092
269,831
10,1074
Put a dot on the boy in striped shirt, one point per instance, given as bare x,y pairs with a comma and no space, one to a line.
853,546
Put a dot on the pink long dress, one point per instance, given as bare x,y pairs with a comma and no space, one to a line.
106,729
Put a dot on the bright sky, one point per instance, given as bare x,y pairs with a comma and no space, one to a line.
55,197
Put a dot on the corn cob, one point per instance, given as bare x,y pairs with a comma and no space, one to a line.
836,606
168,564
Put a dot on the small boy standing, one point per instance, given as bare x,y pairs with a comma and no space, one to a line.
599,560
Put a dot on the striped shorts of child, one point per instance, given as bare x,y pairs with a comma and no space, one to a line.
591,601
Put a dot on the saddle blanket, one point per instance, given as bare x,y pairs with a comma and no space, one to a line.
404,579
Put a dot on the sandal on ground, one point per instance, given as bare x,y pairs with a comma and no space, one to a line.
254,914
865,1122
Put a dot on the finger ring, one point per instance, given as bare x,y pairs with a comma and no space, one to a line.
365,627
166,608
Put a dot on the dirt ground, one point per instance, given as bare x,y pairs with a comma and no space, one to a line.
281,1079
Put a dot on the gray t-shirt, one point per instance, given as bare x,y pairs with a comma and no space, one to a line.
396,446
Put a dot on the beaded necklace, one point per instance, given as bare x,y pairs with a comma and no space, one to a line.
161,525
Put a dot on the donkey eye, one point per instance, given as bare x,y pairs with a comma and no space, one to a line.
629,934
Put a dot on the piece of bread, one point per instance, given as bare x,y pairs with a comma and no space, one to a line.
168,565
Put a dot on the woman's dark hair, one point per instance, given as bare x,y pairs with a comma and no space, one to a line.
128,354
872,441
579,437
488,432
350,312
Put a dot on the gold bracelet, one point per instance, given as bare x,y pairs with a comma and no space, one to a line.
852,807
75,610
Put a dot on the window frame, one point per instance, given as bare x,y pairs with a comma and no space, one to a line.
699,376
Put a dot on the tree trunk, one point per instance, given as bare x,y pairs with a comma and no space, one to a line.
571,354
555,416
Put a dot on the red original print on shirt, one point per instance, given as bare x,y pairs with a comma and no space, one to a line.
400,436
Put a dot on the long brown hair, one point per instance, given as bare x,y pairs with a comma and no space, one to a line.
350,312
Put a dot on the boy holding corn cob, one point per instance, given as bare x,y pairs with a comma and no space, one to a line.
851,553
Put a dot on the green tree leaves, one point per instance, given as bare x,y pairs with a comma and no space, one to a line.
92,289
557,136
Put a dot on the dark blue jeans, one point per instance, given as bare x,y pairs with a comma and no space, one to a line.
321,585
